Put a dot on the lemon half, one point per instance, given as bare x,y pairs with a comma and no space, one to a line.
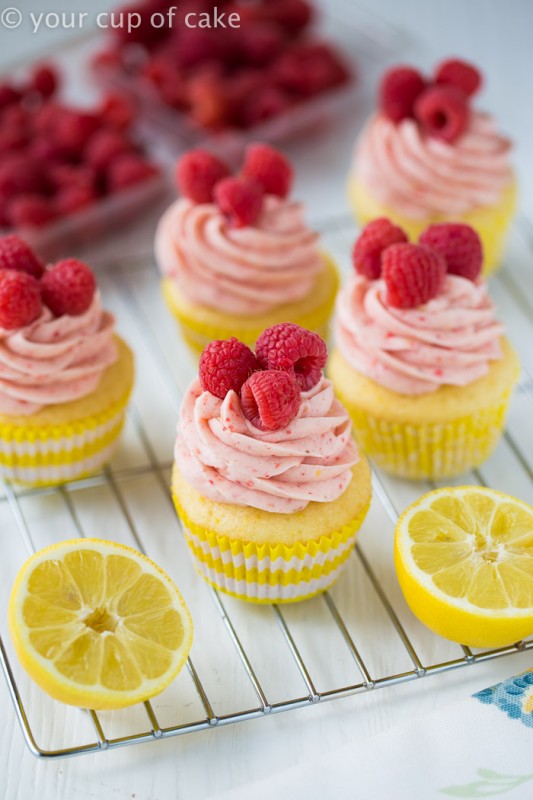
464,559
98,625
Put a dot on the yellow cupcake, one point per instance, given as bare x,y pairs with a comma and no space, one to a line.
200,324
266,557
428,436
70,440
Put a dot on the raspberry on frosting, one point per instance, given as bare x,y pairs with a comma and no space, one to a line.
270,399
443,112
225,365
398,91
289,347
20,299
197,174
15,254
413,274
367,250
459,244
240,199
270,168
68,288
459,73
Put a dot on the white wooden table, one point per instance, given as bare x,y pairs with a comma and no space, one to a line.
195,766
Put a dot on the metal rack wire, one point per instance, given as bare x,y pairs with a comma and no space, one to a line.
132,285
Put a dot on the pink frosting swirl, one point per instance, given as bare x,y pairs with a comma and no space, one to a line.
54,360
420,175
228,460
450,340
243,271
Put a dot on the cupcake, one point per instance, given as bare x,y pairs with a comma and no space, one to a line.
421,363
268,480
65,377
428,156
236,254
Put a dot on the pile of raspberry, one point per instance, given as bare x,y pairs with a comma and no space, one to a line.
55,159
204,178
225,78
288,360
414,273
439,104
26,285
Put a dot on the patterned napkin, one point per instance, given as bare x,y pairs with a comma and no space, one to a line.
480,747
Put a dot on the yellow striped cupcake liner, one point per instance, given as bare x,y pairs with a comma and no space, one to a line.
269,573
431,450
54,454
491,222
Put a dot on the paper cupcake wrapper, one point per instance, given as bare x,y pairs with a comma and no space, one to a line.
430,450
54,454
270,573
491,222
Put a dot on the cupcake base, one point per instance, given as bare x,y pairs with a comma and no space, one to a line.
433,436
265,557
491,222
200,325
65,442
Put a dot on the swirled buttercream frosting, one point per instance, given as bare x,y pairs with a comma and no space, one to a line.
451,340
419,175
229,460
244,271
55,360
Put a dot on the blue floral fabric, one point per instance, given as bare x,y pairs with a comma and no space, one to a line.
514,697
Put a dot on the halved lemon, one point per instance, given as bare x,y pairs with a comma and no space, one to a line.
98,625
464,558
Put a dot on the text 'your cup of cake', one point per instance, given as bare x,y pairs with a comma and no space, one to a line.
236,254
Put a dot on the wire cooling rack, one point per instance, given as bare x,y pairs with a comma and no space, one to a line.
246,661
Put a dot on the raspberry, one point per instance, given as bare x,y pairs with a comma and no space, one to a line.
45,80
240,199
195,46
20,175
368,249
308,68
73,130
268,167
197,173
31,210
207,98
8,95
104,147
70,199
128,170
117,112
270,101
18,256
398,91
226,364
20,299
288,347
262,42
459,244
68,288
413,274
270,399
442,112
294,15
461,74
63,176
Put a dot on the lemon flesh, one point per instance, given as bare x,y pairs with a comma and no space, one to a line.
464,559
98,625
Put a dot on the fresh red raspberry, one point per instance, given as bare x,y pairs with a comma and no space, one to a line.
459,244
240,199
117,112
44,80
128,170
461,74
106,146
308,68
368,248
20,175
443,112
268,167
270,399
197,173
293,15
226,364
196,46
70,199
398,91
20,299
8,95
16,255
74,129
62,176
31,211
207,98
289,347
68,287
413,274
270,101
261,43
